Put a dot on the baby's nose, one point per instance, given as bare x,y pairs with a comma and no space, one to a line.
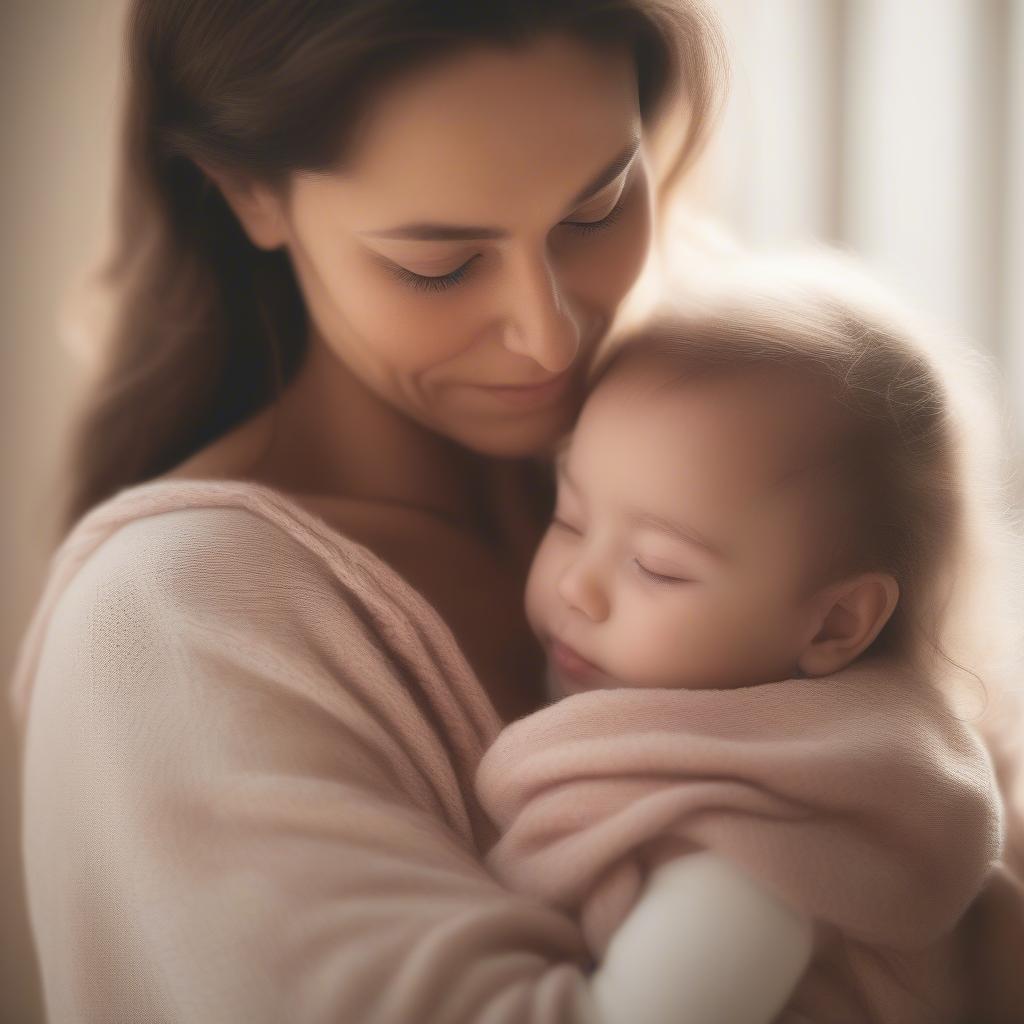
581,587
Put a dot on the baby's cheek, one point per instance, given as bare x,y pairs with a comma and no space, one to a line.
697,645
653,649
540,591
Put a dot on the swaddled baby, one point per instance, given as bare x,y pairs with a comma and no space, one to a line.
745,593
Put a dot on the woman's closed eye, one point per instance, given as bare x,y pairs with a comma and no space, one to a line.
432,284
441,282
589,227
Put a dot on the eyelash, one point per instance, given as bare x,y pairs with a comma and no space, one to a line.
445,281
653,576
432,284
593,226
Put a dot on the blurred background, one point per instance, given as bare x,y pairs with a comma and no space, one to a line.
894,128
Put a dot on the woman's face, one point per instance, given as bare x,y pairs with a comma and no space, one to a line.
493,214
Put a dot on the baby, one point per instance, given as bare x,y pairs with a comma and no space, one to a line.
745,594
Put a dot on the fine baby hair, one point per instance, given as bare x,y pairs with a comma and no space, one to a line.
912,459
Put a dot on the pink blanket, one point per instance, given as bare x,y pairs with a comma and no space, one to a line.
860,799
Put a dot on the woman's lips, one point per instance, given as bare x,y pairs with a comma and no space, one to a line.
532,395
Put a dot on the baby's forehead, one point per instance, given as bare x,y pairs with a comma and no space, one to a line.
771,420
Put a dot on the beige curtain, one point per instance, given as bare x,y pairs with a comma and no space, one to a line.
894,128
58,81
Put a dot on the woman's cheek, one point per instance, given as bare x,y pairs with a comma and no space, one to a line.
409,331
615,260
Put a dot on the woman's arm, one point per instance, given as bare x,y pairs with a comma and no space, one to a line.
704,944
232,815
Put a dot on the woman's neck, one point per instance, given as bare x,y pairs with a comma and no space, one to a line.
332,436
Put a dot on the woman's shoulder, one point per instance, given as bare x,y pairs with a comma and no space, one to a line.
237,460
227,539
190,538
189,529
207,545
178,562
239,548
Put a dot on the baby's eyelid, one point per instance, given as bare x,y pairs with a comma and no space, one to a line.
658,577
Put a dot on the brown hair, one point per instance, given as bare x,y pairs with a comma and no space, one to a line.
207,328
914,448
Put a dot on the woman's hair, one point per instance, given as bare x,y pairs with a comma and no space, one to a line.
207,328
915,452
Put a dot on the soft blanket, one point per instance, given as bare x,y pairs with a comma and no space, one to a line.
860,799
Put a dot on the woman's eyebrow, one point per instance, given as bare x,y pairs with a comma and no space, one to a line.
427,232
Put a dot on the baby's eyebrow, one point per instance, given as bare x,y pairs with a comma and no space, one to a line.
638,517
650,520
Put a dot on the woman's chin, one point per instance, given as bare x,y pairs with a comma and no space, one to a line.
520,440
519,433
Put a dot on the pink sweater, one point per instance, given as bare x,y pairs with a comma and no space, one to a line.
248,752
248,756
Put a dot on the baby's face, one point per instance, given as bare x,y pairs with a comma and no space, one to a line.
687,534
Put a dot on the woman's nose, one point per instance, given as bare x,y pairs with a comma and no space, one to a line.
540,324
581,587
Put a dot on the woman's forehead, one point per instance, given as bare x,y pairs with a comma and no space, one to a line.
490,127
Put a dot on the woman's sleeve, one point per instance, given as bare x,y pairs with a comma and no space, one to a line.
216,831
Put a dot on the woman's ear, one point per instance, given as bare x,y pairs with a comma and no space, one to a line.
256,206
850,616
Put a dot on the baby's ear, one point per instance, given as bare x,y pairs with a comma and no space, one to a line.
851,614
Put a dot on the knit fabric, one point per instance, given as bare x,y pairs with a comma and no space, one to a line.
859,799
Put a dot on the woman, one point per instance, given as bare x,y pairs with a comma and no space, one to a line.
367,251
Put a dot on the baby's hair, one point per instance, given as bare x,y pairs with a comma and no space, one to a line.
914,448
